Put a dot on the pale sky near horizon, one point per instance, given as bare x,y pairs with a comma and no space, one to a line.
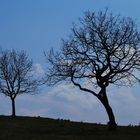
36,26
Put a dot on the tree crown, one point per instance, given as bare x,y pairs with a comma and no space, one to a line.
104,50
16,76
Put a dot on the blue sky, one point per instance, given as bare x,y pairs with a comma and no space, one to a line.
36,26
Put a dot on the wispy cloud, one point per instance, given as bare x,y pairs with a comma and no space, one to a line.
125,103
38,70
68,102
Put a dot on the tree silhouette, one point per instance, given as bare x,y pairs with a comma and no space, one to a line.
16,75
102,50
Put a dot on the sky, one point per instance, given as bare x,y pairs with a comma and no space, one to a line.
37,25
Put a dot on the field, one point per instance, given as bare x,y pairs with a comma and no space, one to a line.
36,128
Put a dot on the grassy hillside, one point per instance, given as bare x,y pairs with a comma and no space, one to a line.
29,128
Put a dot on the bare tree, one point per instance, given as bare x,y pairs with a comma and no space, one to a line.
16,75
103,50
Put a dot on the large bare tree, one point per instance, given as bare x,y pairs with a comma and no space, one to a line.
16,75
103,50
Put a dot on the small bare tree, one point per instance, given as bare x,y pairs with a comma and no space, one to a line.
103,50
16,75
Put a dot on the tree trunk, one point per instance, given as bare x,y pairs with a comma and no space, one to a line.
13,107
103,98
112,123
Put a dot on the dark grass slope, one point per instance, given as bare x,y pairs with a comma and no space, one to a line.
30,128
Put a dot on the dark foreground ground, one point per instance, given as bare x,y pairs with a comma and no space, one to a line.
30,128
